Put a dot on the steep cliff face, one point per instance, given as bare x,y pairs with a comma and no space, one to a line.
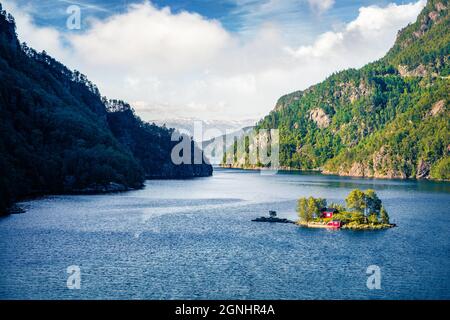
388,119
415,143
58,136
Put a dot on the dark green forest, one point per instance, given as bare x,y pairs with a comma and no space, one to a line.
58,135
389,119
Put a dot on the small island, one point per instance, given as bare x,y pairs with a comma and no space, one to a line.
364,211
272,219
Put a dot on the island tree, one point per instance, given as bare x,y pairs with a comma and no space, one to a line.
302,209
310,208
372,202
366,202
339,207
384,216
356,201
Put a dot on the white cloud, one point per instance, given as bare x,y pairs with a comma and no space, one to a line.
378,19
364,39
181,65
161,41
321,5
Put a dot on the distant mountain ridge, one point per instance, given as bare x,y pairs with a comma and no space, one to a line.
216,147
211,128
389,119
58,135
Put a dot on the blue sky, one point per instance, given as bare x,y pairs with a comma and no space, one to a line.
240,16
211,60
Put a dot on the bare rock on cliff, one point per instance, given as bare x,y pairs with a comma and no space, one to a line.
420,71
384,164
428,20
319,116
352,91
440,6
359,170
381,159
423,169
437,108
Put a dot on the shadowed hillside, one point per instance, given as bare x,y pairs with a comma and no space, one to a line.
58,135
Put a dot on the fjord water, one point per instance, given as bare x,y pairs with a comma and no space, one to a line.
194,239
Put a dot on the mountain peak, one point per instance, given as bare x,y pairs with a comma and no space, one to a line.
423,48
433,13
7,25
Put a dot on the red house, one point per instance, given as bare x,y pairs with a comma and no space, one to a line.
334,224
328,212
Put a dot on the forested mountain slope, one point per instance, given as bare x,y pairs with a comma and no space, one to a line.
389,119
58,135
151,145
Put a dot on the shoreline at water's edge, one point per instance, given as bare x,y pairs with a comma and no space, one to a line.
357,227
327,173
14,208
98,189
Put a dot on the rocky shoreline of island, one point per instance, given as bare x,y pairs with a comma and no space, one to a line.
351,226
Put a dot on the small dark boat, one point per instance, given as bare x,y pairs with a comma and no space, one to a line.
272,219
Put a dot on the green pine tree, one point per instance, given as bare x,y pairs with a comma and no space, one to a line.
384,216
302,209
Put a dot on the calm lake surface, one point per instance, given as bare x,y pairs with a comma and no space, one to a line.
194,240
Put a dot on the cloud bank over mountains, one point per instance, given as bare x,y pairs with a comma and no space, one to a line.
179,65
